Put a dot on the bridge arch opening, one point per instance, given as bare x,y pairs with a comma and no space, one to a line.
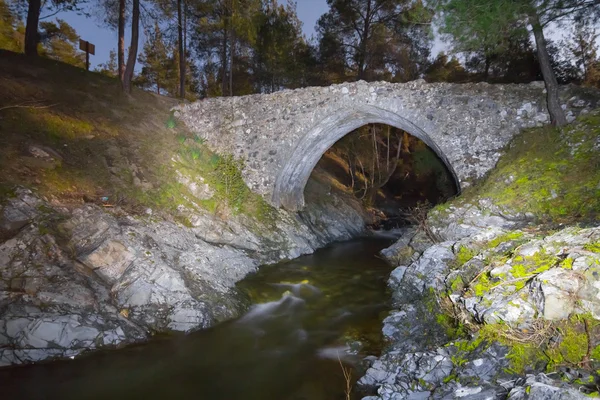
292,180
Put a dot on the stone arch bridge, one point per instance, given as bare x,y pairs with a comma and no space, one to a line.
281,136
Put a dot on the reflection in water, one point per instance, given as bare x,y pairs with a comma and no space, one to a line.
285,348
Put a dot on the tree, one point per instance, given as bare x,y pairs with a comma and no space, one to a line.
488,24
112,13
121,41
444,70
371,33
11,29
154,60
133,48
224,33
281,57
583,48
34,9
109,68
59,41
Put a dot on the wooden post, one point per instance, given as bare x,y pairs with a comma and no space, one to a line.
89,48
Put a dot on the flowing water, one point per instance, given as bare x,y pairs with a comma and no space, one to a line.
288,346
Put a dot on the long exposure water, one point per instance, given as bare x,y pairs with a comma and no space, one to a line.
288,346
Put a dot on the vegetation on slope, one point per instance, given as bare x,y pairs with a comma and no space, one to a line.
74,137
551,173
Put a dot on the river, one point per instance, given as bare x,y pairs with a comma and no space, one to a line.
309,317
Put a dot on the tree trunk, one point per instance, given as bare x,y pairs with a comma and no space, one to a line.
224,59
557,115
31,31
121,44
231,55
372,193
133,48
362,56
181,52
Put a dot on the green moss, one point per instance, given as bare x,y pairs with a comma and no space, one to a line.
185,221
595,355
522,270
171,122
507,237
549,172
483,284
567,263
457,284
224,175
593,247
572,348
565,344
450,378
6,192
463,255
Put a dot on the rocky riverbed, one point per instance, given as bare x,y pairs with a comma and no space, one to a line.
497,293
469,310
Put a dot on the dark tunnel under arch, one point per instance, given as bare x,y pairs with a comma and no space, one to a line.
290,183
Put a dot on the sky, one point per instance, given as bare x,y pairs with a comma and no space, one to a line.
105,39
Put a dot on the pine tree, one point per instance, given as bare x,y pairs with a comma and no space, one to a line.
109,68
60,41
583,48
154,62
488,24
375,39
11,29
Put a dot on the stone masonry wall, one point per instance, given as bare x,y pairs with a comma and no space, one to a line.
281,136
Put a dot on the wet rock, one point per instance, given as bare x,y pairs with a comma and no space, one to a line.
91,277
528,279
109,261
540,387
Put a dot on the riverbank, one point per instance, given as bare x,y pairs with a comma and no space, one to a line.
496,295
303,315
117,223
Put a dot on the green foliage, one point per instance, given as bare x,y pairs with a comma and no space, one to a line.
444,70
110,67
12,31
60,41
157,71
228,172
171,123
387,36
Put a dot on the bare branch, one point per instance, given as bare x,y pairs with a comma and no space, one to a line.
29,104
